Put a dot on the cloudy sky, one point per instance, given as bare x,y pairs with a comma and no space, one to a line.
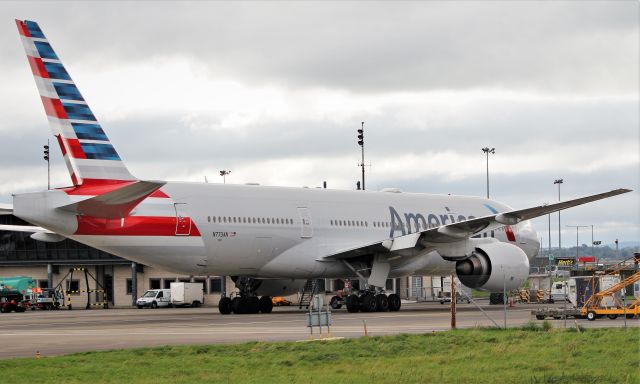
274,92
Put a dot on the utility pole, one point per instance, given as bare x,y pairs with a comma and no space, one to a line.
453,301
361,144
224,174
559,182
46,158
488,151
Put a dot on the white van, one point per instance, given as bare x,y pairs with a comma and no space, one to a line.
155,298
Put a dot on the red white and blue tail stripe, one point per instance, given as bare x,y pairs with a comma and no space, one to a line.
88,153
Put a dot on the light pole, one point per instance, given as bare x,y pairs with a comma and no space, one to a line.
224,174
549,255
361,144
596,243
559,182
592,240
577,227
46,158
487,150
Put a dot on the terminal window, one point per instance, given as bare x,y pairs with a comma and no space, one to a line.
154,283
74,286
215,285
128,286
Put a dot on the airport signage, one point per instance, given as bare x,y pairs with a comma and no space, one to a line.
565,261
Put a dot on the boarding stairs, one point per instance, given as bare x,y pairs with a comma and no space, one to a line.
307,293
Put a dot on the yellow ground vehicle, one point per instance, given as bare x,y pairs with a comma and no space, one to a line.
280,301
595,306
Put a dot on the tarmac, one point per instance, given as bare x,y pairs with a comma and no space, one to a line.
63,332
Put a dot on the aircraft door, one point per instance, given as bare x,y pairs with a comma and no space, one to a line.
306,231
183,221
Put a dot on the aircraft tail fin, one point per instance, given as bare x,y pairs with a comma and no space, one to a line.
89,155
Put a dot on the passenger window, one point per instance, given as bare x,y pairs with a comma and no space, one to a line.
234,219
209,218
224,219
263,221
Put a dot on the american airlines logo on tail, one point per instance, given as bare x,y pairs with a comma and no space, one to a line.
89,155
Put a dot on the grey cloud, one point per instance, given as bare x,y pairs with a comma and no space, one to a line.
376,46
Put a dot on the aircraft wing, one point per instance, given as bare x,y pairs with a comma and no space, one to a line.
23,228
6,209
451,233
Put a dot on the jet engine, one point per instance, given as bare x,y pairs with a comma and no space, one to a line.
493,267
278,287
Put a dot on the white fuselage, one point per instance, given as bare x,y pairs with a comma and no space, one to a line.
270,232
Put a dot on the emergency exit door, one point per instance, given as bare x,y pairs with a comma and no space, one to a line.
306,228
183,221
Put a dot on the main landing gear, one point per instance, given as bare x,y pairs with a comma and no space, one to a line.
246,301
369,301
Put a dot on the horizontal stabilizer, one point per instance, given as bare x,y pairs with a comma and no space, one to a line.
115,204
6,209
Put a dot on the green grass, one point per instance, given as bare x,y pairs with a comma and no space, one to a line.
533,354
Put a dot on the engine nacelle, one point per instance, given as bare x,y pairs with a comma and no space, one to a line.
494,267
279,287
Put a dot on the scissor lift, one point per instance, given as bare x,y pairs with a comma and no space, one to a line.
595,306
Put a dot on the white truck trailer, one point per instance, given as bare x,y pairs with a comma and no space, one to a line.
183,294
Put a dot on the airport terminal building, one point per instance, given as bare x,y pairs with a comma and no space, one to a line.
50,264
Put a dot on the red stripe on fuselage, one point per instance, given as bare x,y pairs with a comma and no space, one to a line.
37,67
22,28
132,226
510,235
53,107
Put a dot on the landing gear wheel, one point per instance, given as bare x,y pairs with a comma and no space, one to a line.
353,304
238,305
369,303
612,317
382,303
253,304
224,305
394,302
591,316
336,302
265,304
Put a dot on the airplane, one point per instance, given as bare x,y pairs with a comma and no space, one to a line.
270,240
